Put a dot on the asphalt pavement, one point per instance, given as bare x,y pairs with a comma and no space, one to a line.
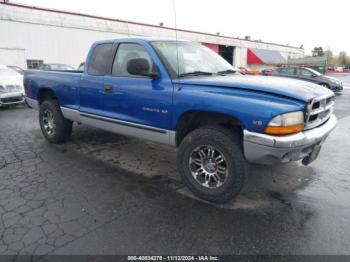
106,194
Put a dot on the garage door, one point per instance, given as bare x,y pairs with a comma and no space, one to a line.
13,56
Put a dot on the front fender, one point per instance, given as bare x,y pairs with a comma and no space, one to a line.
253,109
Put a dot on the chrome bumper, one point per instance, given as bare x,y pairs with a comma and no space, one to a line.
266,149
11,98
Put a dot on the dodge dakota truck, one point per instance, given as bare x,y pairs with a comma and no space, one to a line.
182,94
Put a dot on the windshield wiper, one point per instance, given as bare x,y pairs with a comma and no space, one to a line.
226,72
195,73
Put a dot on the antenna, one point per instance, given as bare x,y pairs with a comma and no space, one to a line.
177,47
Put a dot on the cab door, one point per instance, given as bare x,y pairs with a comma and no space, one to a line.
92,83
138,99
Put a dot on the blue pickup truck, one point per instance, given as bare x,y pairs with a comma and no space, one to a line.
183,94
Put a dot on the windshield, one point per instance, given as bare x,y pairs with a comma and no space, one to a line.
191,59
314,72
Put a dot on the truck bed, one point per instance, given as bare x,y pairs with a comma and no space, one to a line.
64,83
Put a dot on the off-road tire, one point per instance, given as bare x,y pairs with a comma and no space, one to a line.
227,141
63,127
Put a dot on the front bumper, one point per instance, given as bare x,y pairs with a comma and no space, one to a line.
266,149
12,98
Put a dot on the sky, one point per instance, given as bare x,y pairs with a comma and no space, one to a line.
295,22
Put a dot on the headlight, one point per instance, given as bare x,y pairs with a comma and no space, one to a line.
2,90
285,124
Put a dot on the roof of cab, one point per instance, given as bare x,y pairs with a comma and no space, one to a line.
139,39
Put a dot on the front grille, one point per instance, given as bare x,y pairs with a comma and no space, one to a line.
11,100
319,111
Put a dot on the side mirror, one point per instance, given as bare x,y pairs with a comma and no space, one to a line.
313,75
140,67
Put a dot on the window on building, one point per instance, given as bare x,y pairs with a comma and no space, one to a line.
227,53
125,53
102,59
34,63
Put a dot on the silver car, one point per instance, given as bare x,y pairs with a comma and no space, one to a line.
11,87
310,75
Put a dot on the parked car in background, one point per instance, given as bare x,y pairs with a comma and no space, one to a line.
11,87
216,117
81,66
56,67
17,69
339,69
266,72
247,71
310,75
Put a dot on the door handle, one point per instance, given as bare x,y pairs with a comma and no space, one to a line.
107,89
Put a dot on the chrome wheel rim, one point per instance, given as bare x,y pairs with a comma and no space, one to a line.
208,166
49,122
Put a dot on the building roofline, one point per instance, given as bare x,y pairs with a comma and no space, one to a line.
135,23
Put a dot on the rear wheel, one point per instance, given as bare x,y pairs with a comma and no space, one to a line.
54,126
211,163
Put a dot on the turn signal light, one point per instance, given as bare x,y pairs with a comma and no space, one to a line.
284,130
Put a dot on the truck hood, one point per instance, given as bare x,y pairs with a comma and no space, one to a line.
292,88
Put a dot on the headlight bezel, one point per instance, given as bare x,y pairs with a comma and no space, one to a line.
3,89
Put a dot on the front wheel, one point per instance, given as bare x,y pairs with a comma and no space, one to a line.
54,126
211,163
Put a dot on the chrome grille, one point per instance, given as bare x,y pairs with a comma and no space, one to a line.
319,111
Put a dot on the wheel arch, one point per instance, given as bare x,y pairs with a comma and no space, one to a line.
45,93
193,119
325,84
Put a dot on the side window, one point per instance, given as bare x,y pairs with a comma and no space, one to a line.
290,71
287,71
305,72
282,70
101,60
125,53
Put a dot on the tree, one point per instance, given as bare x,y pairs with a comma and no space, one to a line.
329,55
318,51
342,59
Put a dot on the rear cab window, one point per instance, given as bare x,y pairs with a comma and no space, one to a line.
102,59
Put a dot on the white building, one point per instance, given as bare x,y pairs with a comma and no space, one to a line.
30,36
